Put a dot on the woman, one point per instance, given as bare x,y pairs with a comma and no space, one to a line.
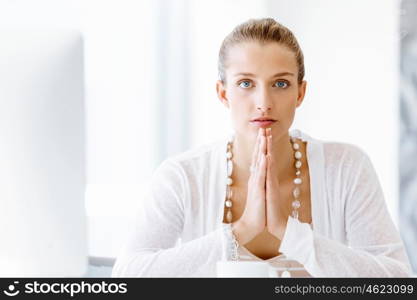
266,194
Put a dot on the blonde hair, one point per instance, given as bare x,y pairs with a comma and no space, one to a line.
262,31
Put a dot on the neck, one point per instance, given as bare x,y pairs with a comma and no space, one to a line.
243,147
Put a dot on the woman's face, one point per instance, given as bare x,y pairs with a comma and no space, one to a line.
261,81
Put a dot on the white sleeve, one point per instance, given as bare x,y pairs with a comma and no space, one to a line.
152,249
374,247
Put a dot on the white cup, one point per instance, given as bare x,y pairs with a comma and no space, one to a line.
244,269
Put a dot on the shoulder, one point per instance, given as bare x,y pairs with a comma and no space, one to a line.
195,159
200,152
346,162
334,152
343,153
347,168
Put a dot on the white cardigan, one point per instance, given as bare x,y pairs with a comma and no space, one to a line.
179,232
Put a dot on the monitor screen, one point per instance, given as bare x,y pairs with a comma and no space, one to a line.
42,154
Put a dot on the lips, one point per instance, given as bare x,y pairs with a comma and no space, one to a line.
263,119
263,122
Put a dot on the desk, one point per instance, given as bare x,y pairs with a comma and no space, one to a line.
100,266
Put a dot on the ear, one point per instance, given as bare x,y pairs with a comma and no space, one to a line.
221,93
301,92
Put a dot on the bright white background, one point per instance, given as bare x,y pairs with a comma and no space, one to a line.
150,82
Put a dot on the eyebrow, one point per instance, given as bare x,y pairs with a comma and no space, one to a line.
276,75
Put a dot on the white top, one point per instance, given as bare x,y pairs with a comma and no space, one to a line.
179,229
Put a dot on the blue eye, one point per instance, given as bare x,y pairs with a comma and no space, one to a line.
245,84
281,84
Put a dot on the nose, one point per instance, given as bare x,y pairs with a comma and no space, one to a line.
264,110
263,102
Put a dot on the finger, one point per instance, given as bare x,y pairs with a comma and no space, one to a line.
262,171
268,155
261,150
256,149
269,143
272,181
268,178
253,169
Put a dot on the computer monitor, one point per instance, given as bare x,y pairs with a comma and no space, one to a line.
42,154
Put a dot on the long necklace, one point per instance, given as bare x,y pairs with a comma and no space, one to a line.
297,180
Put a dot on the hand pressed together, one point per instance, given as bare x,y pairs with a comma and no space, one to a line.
262,209
276,219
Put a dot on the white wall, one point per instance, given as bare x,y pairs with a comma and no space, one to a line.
352,63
